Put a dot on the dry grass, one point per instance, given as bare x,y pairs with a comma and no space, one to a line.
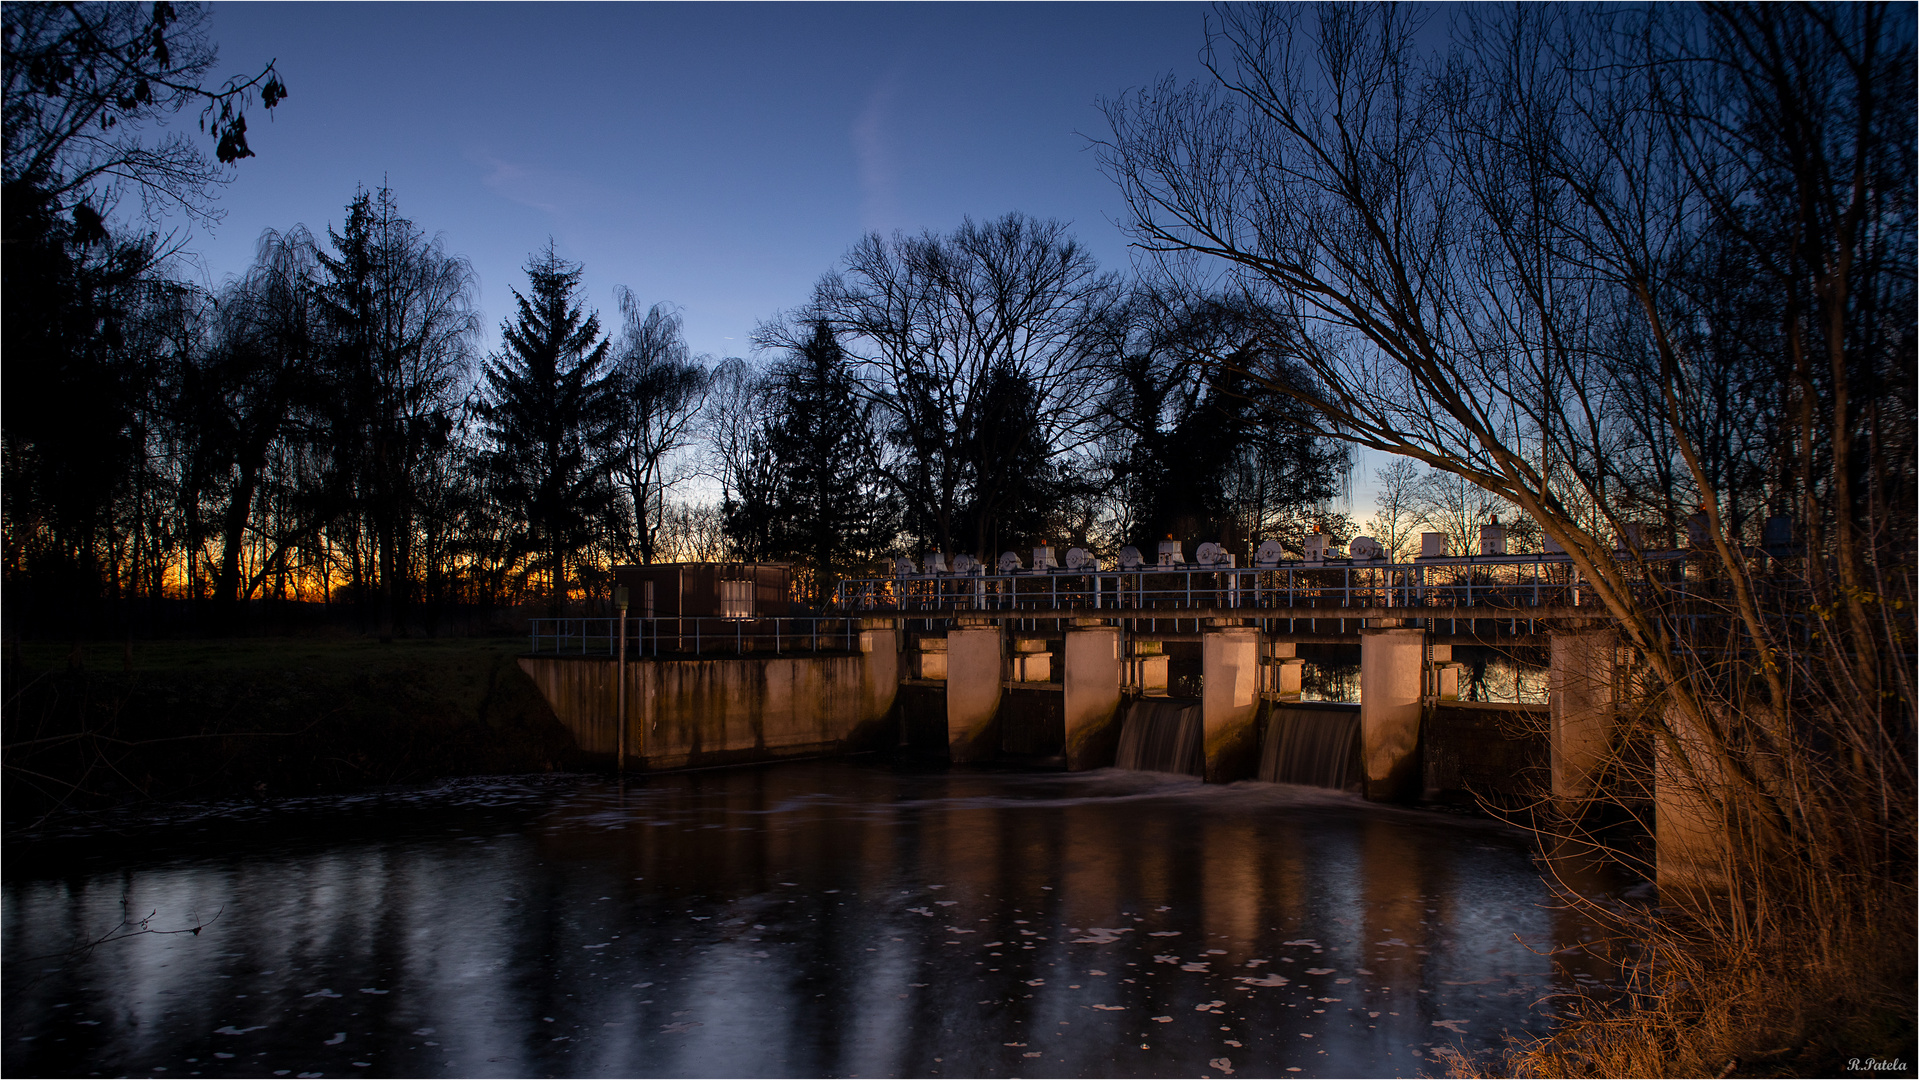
1809,972
1803,1000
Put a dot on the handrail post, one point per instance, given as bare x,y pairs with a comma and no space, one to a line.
619,602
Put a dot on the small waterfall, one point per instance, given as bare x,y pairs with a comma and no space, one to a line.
1163,735
1314,746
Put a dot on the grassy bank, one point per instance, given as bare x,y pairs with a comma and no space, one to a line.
109,723
1803,999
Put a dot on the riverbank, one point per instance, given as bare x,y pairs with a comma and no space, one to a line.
111,723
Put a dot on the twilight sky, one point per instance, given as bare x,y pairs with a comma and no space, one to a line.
716,156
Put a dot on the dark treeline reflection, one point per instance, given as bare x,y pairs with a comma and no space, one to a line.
801,919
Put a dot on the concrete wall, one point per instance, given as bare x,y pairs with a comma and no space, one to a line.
1031,723
1229,702
1391,663
975,663
1482,752
1689,793
1580,688
1091,696
691,712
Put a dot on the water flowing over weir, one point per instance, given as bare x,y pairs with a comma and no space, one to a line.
1314,746
1163,735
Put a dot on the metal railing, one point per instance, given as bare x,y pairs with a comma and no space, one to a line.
1510,588
682,636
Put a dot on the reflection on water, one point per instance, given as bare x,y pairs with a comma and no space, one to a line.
1487,673
1516,674
818,918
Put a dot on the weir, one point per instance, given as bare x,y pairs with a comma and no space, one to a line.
1073,666
1314,745
1163,735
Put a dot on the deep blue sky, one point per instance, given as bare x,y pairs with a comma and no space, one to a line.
719,157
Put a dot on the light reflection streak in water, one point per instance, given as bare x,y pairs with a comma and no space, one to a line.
944,923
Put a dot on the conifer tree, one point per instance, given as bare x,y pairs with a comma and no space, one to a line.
828,506
547,410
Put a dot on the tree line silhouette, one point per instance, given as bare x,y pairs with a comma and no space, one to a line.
323,427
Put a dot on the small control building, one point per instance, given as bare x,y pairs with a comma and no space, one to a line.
710,590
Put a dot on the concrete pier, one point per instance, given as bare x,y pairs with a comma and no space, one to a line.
1391,672
1091,682
1229,702
975,662
1580,692
1690,831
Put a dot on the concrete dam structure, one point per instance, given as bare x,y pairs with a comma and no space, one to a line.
1071,666
727,709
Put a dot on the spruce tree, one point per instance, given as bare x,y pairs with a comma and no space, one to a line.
547,411
827,505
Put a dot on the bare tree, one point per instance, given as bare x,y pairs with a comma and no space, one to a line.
736,455
658,390
1496,265
694,532
252,387
82,81
399,340
1396,518
986,349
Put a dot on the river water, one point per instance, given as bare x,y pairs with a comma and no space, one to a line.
828,918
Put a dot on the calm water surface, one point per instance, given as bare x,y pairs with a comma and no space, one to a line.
808,918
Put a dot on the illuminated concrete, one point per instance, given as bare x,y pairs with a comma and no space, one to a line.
975,662
1090,677
1391,669
733,709
1580,693
1690,831
1229,702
